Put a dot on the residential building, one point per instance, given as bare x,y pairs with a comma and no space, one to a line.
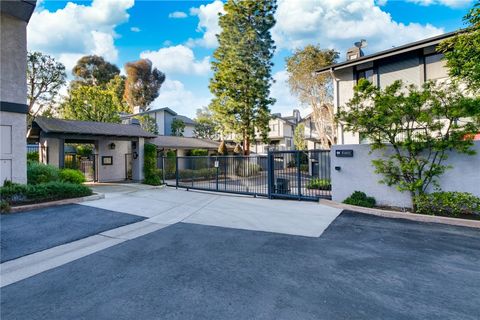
413,63
14,17
280,135
311,135
164,118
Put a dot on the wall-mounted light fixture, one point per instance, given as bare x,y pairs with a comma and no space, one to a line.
112,146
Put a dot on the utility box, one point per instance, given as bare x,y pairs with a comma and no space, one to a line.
282,186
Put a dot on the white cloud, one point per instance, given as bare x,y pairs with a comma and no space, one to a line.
338,24
208,24
135,29
174,95
78,30
280,90
447,3
177,60
178,15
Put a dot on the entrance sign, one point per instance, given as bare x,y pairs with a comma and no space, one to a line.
344,153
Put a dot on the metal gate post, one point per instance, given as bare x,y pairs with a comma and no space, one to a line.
176,172
163,169
269,174
217,164
299,177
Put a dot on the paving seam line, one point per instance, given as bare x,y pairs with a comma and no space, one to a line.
48,251
196,211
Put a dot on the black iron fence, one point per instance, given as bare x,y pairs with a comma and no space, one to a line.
303,175
36,152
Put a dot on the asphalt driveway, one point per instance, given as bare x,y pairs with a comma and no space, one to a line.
361,267
28,232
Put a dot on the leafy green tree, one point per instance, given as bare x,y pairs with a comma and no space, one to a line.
91,103
148,123
178,127
299,137
94,71
117,86
45,77
462,52
143,83
242,69
314,90
415,128
205,127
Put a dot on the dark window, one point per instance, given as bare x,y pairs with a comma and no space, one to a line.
366,74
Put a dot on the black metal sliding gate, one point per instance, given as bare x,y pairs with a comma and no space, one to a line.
302,175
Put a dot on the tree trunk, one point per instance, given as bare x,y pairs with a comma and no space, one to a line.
246,147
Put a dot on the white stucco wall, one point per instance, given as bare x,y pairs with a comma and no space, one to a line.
13,149
13,88
116,171
52,146
13,53
357,174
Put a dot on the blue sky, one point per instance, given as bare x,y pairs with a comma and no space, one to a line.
179,36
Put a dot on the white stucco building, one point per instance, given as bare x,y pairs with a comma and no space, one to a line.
14,17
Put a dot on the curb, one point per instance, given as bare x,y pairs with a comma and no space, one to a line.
42,205
403,215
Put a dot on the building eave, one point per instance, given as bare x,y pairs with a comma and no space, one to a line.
390,52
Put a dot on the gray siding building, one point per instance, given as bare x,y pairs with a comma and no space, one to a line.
413,63
14,17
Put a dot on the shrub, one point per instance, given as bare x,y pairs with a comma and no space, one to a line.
41,173
55,190
72,176
206,173
359,198
198,152
304,167
33,156
4,206
448,204
150,170
84,150
246,169
319,184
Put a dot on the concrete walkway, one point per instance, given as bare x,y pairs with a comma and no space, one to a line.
164,207
169,206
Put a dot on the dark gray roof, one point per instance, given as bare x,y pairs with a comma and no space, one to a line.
52,125
390,52
174,142
185,119
166,109
21,9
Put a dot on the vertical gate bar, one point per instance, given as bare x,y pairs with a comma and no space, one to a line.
176,172
299,175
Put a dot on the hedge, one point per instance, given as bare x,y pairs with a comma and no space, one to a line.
452,204
319,184
14,193
72,176
42,173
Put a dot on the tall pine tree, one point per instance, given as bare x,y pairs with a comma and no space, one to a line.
242,69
